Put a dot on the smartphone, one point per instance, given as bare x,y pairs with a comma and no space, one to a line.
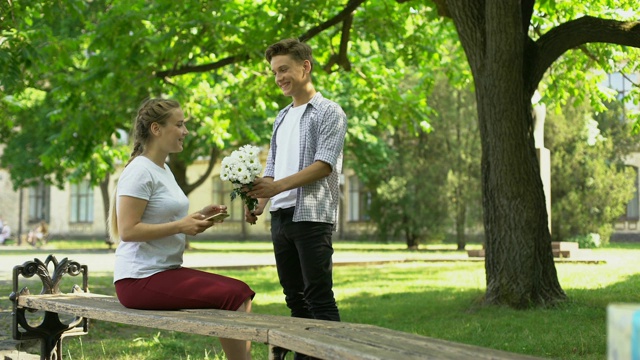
218,217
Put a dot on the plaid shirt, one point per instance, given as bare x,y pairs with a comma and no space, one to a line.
323,127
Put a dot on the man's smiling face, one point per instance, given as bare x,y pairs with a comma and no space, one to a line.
291,76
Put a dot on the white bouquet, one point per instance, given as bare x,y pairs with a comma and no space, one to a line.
241,168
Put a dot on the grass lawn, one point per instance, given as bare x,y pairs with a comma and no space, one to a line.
436,299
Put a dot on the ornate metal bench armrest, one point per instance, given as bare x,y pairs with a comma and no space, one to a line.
51,330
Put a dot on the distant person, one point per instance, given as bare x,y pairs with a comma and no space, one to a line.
5,233
39,234
149,220
301,180
2,238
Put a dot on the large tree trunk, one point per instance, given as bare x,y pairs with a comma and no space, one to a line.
519,261
520,270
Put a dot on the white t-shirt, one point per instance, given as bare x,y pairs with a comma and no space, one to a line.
143,179
287,156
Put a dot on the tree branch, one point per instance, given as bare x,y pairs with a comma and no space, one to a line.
341,57
575,33
351,6
202,68
213,158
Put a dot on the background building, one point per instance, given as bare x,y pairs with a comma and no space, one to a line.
77,210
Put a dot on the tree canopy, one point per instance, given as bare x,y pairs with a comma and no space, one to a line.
74,72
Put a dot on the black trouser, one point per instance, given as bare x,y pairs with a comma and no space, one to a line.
303,253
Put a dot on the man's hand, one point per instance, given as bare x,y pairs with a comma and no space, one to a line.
252,216
264,188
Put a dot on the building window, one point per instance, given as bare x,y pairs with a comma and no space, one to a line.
39,203
221,195
359,200
81,202
623,84
633,206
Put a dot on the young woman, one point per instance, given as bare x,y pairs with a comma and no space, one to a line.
149,219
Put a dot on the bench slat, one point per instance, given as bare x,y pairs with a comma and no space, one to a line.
210,322
107,308
375,343
323,339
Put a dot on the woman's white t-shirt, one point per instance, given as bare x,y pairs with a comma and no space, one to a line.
143,179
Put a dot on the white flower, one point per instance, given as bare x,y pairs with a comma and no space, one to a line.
250,150
242,166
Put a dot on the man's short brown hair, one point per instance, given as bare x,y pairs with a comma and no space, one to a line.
299,50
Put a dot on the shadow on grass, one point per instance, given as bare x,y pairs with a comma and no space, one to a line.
575,329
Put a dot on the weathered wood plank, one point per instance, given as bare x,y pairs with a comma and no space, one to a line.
219,323
375,343
322,339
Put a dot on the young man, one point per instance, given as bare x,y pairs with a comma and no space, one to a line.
301,180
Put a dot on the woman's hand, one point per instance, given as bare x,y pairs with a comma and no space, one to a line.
132,228
194,224
209,210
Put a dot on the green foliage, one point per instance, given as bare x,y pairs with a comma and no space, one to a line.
95,62
432,178
588,241
392,61
589,185
456,128
405,208
588,64
409,202
392,145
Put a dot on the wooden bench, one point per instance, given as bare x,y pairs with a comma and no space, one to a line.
560,249
322,339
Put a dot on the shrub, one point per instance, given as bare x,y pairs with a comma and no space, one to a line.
588,241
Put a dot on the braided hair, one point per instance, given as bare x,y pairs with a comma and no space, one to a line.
150,111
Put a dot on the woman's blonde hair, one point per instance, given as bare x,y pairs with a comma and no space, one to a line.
150,111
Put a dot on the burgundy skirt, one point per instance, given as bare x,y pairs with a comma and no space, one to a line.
183,288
